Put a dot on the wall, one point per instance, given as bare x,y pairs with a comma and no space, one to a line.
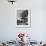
8,28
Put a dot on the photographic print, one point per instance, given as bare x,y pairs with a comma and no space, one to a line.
23,17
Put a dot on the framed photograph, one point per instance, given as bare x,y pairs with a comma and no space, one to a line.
23,17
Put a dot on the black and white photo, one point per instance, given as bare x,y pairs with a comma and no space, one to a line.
23,17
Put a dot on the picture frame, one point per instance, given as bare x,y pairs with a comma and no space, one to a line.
23,17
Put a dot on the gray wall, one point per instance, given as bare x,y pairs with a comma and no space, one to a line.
8,28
